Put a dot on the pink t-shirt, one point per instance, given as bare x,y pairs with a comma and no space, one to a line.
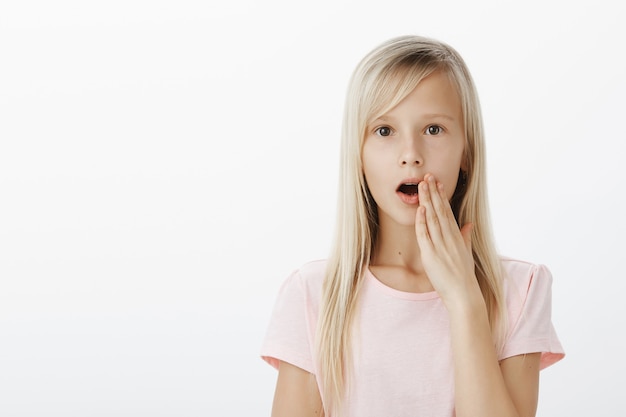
402,353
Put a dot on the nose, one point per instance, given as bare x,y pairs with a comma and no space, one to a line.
408,161
411,154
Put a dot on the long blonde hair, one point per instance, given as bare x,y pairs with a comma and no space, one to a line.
381,80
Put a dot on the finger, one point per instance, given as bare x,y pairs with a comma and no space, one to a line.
440,202
451,222
432,220
421,231
442,209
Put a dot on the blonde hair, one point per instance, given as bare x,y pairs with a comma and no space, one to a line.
381,80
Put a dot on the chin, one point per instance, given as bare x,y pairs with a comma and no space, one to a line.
405,220
403,217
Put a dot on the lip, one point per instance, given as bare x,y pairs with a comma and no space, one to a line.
409,181
408,199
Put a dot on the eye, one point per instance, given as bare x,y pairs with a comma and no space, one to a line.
434,130
383,131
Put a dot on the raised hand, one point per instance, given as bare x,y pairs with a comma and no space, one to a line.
446,250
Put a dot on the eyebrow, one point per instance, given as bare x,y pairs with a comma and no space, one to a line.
439,115
387,119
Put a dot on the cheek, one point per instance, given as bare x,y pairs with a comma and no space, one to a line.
375,176
368,164
451,176
450,188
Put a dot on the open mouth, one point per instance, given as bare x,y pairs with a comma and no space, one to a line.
409,188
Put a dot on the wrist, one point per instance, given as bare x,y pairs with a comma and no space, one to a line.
467,301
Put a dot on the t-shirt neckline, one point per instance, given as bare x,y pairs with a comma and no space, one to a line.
415,296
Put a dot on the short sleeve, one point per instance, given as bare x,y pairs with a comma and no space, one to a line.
289,334
530,309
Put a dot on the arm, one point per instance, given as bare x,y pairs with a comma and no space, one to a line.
296,393
521,377
483,387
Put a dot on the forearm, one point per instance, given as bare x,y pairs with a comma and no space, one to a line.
480,390
296,393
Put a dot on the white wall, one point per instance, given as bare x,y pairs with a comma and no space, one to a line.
165,164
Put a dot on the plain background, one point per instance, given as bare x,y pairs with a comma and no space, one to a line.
164,165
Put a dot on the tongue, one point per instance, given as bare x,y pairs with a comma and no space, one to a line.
408,189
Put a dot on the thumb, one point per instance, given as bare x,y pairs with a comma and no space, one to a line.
466,232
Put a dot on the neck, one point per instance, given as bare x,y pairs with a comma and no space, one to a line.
396,246
396,259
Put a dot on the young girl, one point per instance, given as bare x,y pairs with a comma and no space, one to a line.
414,313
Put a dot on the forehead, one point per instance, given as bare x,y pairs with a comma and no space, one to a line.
435,94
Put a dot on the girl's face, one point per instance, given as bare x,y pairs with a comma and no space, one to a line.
423,134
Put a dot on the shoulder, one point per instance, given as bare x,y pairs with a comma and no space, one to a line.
527,290
520,276
307,279
313,270
311,273
291,331
528,293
